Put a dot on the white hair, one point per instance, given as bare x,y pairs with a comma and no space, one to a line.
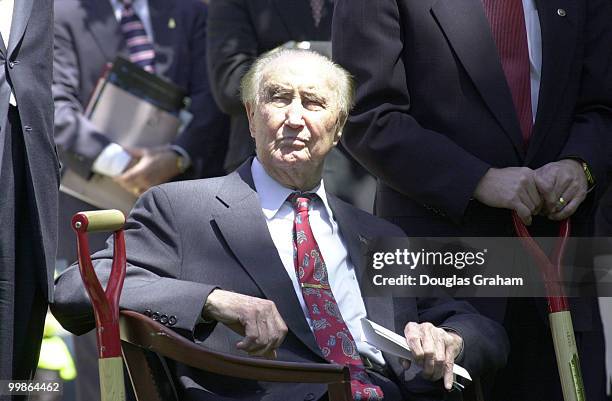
343,85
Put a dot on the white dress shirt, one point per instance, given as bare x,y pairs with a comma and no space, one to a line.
341,272
6,18
534,42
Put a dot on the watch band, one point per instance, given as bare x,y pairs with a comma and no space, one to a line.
183,161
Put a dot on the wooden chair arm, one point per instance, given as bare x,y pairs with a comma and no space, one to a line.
144,332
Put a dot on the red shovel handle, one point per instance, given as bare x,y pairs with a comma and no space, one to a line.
549,267
105,302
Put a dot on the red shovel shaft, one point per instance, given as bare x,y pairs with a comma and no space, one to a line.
105,302
560,317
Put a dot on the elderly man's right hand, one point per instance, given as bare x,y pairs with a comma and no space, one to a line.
511,188
254,318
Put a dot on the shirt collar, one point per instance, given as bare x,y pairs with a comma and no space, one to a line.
272,195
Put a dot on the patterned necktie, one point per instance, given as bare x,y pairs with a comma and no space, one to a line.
317,10
507,22
330,330
138,43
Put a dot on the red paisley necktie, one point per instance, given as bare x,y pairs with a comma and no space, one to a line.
507,21
330,330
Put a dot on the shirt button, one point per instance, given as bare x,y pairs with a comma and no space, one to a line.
11,64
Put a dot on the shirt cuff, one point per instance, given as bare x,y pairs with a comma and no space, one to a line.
112,161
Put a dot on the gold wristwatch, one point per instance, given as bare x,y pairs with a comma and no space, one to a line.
183,161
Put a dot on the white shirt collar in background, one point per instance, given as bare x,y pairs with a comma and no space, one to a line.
141,8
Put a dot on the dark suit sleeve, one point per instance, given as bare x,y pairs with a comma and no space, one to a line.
367,38
590,133
485,344
79,141
232,44
206,136
154,256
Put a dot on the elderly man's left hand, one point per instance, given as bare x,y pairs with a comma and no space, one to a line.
563,186
434,349
154,166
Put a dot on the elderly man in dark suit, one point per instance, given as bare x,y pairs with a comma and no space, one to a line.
469,110
265,261
29,178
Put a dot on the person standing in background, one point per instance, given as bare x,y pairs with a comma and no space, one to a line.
29,178
165,37
469,110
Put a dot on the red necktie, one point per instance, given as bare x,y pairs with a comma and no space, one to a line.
138,43
507,22
330,330
317,10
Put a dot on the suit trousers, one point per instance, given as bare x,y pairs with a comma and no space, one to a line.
22,303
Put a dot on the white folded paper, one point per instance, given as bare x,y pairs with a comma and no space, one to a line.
387,341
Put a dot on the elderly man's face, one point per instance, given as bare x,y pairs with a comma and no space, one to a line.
295,123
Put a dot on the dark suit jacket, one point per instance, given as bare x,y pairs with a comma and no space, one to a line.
434,112
185,239
238,32
88,36
26,64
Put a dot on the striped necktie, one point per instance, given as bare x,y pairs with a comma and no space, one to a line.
330,330
138,43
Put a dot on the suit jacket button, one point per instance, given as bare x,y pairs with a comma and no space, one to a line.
147,313
11,64
561,12
155,316
163,319
172,320
309,397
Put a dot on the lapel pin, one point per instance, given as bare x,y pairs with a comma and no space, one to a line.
561,12
171,23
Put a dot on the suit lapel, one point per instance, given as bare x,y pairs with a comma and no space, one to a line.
465,24
104,27
164,28
558,46
378,309
244,228
21,15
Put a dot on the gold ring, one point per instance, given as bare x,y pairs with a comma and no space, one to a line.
561,203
